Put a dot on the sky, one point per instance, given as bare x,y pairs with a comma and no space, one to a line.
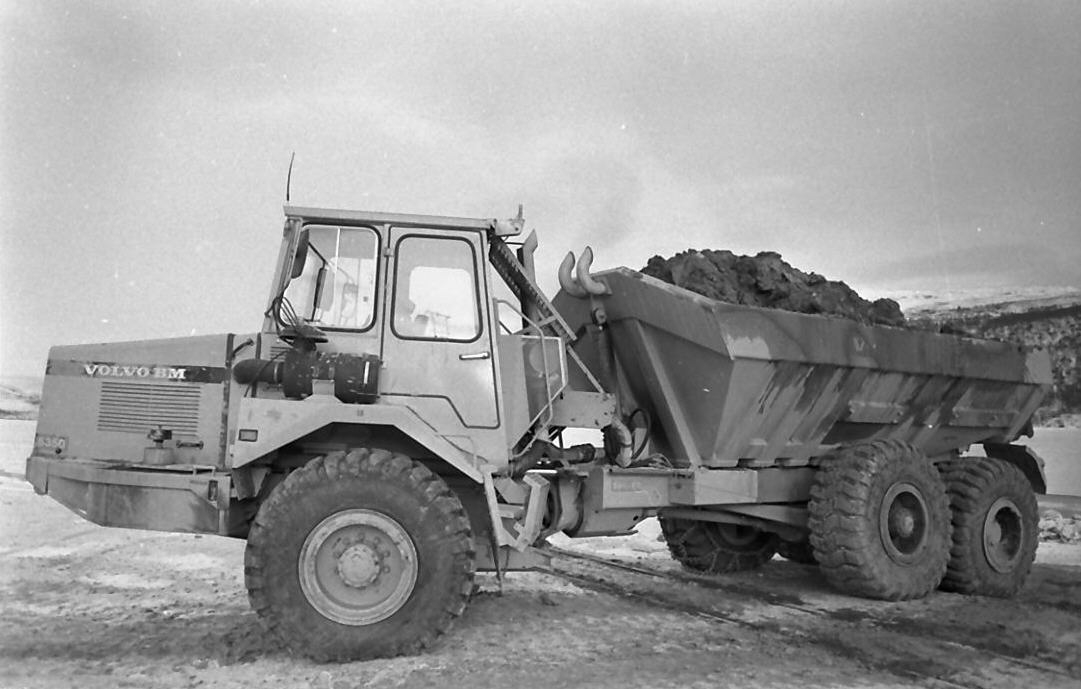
893,145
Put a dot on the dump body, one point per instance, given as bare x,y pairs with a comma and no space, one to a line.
727,385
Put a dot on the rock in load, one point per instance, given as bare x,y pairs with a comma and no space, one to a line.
766,280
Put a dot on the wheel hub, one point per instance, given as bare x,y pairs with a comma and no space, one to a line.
737,535
359,565
1002,535
904,523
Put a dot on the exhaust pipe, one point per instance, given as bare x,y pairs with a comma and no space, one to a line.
594,287
576,281
566,277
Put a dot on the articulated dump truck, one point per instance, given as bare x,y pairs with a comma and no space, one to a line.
405,417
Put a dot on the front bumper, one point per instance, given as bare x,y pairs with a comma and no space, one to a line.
110,494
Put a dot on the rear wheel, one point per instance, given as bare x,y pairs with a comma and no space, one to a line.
360,555
715,547
995,527
880,521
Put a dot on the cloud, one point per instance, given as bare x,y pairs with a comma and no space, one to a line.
842,137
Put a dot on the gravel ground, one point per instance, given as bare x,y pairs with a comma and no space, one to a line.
85,606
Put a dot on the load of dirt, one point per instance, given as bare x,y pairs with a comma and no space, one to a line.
767,280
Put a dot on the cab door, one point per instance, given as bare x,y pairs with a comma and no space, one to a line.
438,346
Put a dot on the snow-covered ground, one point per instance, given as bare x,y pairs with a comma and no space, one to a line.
1018,298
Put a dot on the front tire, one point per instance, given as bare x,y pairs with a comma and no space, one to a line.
360,555
717,548
880,521
995,527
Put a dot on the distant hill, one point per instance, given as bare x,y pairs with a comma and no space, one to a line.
19,398
1044,318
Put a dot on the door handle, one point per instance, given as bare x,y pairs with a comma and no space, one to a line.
474,357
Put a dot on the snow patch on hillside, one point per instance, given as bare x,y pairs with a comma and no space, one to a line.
1008,300
20,397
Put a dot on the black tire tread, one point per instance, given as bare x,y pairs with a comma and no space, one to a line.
358,463
697,546
973,483
845,538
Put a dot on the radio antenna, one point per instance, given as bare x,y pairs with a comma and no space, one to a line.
289,176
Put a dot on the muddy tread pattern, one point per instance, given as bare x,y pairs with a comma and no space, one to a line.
698,546
973,484
843,520
304,630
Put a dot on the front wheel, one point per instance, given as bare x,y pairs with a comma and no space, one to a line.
360,555
715,547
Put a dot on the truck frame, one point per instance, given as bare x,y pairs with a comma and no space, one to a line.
406,416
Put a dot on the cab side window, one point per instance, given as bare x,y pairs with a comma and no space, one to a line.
337,287
435,290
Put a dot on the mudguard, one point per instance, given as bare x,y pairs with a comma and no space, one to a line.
265,425
1025,459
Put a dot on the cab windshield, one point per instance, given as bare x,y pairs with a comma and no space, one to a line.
336,289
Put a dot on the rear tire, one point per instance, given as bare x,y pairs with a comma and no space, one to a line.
995,527
360,555
880,521
717,548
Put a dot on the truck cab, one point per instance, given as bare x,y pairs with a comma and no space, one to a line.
414,294
412,358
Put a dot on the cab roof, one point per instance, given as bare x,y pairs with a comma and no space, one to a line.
501,227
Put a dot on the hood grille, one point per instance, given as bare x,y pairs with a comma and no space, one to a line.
139,407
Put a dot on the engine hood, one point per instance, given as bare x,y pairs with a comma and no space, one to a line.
100,401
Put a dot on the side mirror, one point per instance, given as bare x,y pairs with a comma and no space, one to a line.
301,255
